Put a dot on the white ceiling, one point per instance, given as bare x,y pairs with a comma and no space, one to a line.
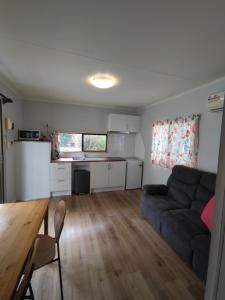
156,48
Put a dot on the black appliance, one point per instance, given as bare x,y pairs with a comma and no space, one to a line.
29,135
81,182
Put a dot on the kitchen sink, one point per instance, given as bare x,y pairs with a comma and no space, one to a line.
88,158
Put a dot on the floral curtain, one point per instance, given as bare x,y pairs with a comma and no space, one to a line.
175,142
160,140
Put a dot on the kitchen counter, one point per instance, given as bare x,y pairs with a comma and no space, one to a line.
88,159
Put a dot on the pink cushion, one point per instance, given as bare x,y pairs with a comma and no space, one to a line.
207,213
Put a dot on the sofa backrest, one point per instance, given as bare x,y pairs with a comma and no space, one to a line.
205,191
191,187
183,183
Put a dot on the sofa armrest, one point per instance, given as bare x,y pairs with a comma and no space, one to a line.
201,243
155,189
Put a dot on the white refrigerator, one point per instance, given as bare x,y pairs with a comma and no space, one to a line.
134,173
32,170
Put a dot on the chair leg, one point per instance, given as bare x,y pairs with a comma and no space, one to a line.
31,296
60,272
31,291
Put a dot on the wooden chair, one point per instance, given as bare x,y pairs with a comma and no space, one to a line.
46,250
24,284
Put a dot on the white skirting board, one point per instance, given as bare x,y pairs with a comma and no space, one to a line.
110,189
61,193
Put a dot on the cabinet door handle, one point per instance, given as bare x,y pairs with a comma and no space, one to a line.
61,180
62,168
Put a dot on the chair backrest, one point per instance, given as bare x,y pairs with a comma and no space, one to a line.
59,217
27,273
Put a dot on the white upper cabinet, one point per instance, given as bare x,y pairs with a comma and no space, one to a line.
116,123
123,123
133,123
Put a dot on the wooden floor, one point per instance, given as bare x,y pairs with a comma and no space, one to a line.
109,252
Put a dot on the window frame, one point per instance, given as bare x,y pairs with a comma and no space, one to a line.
94,151
82,143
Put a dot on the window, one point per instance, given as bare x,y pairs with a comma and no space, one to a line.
175,142
94,142
70,142
81,142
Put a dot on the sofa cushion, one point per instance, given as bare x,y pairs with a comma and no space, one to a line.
207,215
155,189
205,191
200,245
187,175
183,183
153,206
179,227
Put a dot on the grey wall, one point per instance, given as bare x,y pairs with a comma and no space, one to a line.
74,118
194,101
14,111
66,117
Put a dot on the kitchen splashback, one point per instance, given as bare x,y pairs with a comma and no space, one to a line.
122,145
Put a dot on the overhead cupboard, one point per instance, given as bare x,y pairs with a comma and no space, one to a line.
123,123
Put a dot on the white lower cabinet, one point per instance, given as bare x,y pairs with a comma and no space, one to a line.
60,179
107,175
99,175
117,173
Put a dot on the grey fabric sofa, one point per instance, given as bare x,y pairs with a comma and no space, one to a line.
174,210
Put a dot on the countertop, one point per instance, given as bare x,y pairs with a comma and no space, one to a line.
88,159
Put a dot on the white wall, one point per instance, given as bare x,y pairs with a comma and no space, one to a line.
74,118
194,101
66,117
14,111
139,151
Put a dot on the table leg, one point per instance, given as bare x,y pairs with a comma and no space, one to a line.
46,223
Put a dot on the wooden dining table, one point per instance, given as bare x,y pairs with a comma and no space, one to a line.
19,225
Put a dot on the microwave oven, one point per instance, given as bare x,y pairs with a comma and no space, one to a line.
29,135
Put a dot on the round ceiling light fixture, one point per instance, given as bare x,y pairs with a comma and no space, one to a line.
103,81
